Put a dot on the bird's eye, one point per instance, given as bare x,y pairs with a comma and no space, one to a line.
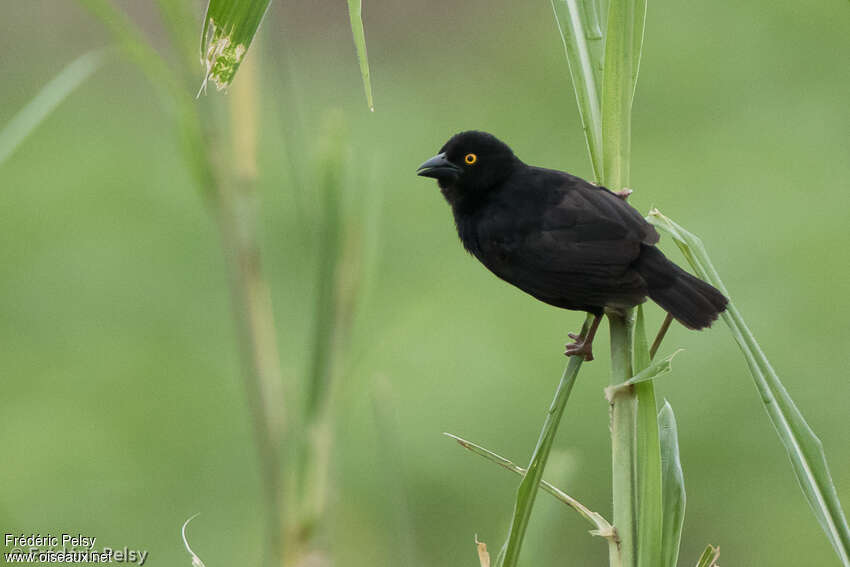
470,159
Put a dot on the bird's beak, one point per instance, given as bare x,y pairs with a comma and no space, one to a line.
438,167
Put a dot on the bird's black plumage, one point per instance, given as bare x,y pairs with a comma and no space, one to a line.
560,238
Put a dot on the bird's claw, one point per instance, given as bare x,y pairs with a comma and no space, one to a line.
579,348
624,193
575,336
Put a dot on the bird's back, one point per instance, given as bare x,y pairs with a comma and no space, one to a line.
561,239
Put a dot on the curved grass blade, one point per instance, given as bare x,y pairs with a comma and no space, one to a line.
229,28
196,561
673,488
48,98
656,369
355,13
585,72
804,448
601,525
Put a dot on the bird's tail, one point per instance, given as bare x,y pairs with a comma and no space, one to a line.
691,301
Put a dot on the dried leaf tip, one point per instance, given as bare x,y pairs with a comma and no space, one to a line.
196,561
483,554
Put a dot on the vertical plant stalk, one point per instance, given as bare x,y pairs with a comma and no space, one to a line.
617,94
648,455
335,282
623,438
226,177
237,214
625,21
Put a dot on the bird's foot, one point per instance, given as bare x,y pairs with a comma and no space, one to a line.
581,347
624,193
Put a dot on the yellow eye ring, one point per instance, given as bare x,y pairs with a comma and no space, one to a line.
470,159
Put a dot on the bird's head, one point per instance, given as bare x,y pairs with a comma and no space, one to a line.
470,164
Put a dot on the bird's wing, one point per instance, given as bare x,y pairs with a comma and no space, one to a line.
577,248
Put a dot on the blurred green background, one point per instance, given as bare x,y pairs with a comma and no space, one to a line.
122,412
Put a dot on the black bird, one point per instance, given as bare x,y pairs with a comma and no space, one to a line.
561,239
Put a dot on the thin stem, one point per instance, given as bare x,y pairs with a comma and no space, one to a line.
617,95
527,492
660,336
237,212
623,438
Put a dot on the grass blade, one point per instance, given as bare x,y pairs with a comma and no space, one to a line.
804,448
673,488
527,492
585,76
637,39
601,525
48,98
648,455
709,557
229,28
355,13
656,369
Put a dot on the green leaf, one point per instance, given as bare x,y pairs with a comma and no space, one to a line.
355,14
618,91
802,445
585,70
709,557
648,456
48,98
656,368
527,492
673,488
229,28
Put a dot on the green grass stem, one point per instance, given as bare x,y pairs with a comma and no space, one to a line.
527,492
623,435
648,455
